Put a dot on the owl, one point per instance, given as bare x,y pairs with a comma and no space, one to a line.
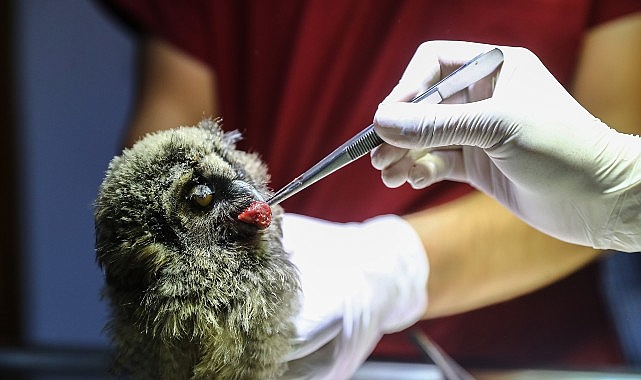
196,277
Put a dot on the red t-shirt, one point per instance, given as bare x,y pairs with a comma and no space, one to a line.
298,78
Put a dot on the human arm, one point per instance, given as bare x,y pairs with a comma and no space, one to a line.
173,89
481,254
512,258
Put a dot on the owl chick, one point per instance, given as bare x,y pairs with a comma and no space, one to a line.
195,293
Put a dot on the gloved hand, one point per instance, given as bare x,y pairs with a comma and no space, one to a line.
359,281
519,137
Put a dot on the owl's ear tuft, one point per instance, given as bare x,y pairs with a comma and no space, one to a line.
231,138
215,127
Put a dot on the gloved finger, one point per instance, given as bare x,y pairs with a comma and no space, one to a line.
397,173
434,60
479,90
404,91
385,155
517,60
415,126
403,124
436,166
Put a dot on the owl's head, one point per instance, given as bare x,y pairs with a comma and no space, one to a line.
168,234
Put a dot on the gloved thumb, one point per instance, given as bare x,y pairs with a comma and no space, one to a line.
424,125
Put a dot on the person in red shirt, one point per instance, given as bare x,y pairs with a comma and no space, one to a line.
298,78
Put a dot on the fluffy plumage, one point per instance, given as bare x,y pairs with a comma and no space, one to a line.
194,292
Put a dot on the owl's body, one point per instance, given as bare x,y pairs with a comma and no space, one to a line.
194,292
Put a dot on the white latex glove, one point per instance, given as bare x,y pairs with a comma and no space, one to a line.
531,146
359,281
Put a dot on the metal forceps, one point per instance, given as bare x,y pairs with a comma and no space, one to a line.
367,139
451,369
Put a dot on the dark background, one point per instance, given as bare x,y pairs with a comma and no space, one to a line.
65,89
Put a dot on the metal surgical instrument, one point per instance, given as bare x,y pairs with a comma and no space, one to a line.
451,369
366,140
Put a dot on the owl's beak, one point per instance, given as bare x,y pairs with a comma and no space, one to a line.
245,188
258,213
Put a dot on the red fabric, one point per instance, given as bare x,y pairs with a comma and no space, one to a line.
300,77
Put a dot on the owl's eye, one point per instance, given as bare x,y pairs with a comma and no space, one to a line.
201,195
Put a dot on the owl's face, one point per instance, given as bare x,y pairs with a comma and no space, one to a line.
167,228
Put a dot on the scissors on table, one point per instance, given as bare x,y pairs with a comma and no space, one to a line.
367,139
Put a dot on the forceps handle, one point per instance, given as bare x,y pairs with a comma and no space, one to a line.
368,139
451,369
363,142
